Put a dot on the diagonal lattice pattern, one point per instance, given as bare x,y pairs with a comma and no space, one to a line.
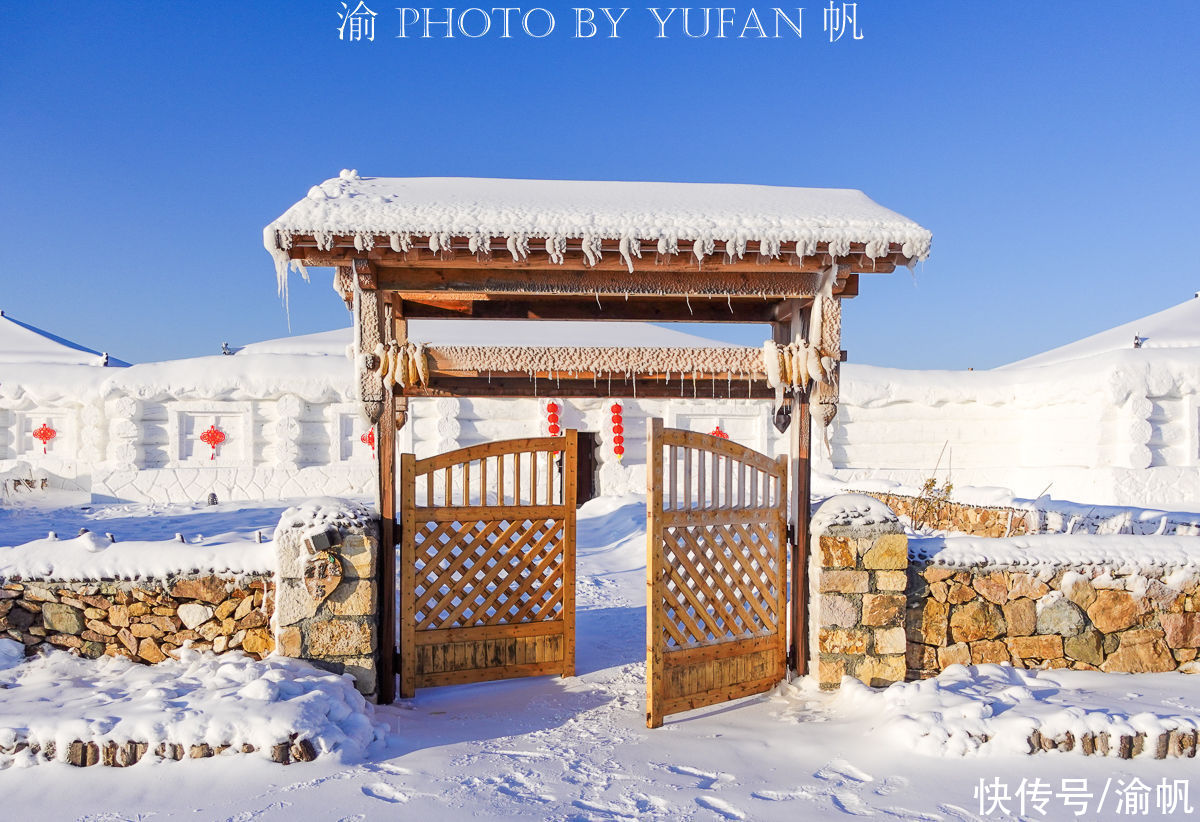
722,583
488,572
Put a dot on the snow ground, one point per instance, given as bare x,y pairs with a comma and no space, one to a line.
578,749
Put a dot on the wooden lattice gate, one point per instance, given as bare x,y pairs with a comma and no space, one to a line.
487,559
716,571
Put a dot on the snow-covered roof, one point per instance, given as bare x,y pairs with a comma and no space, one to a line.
22,343
514,211
497,333
1176,327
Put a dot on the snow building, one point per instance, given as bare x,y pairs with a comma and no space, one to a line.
1111,419
276,419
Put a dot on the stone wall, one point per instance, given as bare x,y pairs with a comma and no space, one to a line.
144,621
1088,617
1055,517
327,610
858,579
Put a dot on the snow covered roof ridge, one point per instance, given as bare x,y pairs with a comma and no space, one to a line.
663,214
22,343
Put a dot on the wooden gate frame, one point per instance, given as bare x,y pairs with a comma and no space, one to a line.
490,647
719,668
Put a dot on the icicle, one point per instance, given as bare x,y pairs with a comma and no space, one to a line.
556,247
630,247
364,241
735,249
400,243
687,299
729,302
434,243
518,247
598,301
592,252
701,249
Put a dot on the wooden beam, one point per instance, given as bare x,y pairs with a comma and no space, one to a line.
641,309
444,385
385,449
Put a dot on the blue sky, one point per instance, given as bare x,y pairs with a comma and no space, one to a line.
1050,147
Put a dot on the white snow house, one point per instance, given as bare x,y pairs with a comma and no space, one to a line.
1112,419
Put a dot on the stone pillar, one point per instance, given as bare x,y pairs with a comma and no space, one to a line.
858,567
326,602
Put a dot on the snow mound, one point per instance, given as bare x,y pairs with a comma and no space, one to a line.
323,512
202,698
992,710
12,653
1130,553
850,510
91,556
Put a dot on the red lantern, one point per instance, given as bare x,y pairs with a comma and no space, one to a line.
369,439
717,432
554,430
44,434
618,430
552,419
552,408
213,437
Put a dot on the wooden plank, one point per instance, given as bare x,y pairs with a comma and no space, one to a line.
570,464
712,697
584,309
721,650
655,577
570,385
441,636
463,677
385,451
408,677
461,513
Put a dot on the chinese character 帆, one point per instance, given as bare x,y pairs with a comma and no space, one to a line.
839,20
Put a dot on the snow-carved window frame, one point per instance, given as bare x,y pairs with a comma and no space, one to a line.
679,414
237,451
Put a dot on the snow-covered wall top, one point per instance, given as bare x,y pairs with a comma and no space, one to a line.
663,213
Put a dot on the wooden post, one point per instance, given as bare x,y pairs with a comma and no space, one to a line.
385,450
655,576
568,558
408,637
800,467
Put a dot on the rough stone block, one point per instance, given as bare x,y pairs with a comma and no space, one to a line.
921,657
1049,646
889,553
1026,585
337,637
1139,652
1088,647
258,641
976,620
993,587
63,619
989,650
1182,630
1021,617
293,603
959,654
830,673
929,622
933,574
959,592
883,610
353,598
891,580
838,552
880,671
358,555
288,642
845,582
840,641
890,641
209,589
1113,610
838,611
1061,617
